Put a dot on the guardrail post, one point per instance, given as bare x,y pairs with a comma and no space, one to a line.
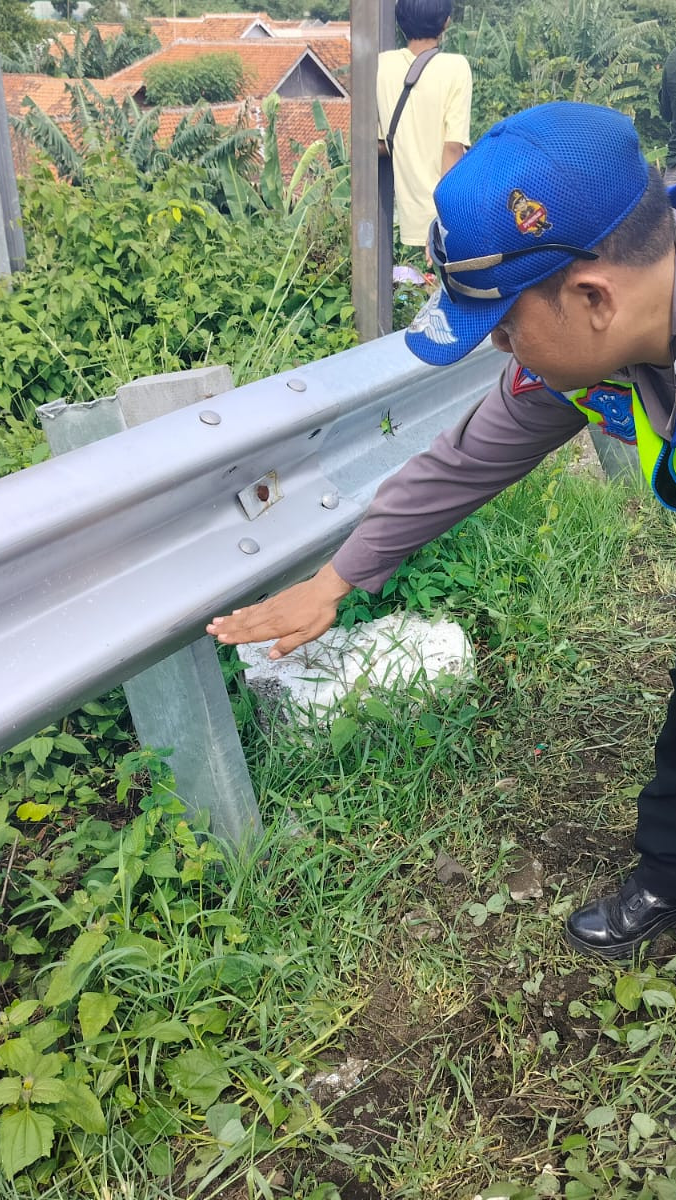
181,703
618,460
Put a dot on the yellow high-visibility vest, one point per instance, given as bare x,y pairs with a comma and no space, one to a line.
616,409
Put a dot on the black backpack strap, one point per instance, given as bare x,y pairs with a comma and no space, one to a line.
413,75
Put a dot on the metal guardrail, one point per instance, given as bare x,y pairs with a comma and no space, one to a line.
113,556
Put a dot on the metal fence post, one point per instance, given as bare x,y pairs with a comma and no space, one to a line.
10,209
372,191
181,703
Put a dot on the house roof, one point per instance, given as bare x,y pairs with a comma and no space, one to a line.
266,63
49,93
225,26
295,123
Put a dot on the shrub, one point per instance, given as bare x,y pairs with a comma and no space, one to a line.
124,281
212,77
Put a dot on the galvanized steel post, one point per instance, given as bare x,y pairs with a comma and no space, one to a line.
12,244
372,30
180,704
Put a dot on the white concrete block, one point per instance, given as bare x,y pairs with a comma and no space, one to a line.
391,652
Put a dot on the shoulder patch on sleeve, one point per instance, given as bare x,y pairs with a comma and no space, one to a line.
526,381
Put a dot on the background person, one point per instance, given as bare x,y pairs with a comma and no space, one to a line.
574,276
434,126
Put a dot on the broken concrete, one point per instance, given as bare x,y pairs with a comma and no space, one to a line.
392,652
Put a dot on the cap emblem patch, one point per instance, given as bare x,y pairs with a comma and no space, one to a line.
433,323
530,215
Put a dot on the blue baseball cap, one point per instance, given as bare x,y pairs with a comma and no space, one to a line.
540,189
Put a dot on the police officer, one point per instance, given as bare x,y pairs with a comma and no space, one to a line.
555,237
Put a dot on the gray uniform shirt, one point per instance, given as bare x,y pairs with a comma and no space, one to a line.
500,441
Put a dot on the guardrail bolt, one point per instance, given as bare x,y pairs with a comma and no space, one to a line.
330,500
210,418
263,492
297,385
249,546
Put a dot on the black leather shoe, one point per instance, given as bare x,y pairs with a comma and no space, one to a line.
616,926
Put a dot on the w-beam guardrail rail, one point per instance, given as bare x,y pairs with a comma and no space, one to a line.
114,555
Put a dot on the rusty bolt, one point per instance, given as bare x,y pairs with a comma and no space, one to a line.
263,492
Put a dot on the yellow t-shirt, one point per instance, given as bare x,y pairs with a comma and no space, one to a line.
437,111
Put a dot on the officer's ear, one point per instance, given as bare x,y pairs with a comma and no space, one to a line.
593,294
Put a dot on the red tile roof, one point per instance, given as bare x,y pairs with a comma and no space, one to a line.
265,63
225,114
50,94
295,124
216,27
220,27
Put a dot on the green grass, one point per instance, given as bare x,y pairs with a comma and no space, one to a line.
491,1054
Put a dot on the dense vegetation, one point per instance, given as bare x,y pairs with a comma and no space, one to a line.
126,280
91,57
212,77
17,25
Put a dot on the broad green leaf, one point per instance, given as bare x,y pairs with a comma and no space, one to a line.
94,1012
18,1055
161,1031
73,745
47,1091
628,992
599,1117
30,811
124,1096
577,1189
21,1011
41,748
141,950
209,1020
199,1076
24,1137
85,947
479,913
240,971
62,987
376,709
160,1160
225,1123
81,1107
665,1189
343,731
131,871
45,1033
22,943
10,1089
659,998
161,864
576,1141
644,1124
159,1122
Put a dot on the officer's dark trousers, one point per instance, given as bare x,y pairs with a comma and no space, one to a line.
656,828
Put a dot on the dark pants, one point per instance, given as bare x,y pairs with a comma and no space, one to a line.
656,828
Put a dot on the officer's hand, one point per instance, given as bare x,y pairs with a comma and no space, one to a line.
297,615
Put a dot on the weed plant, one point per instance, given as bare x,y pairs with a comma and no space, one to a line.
168,1005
